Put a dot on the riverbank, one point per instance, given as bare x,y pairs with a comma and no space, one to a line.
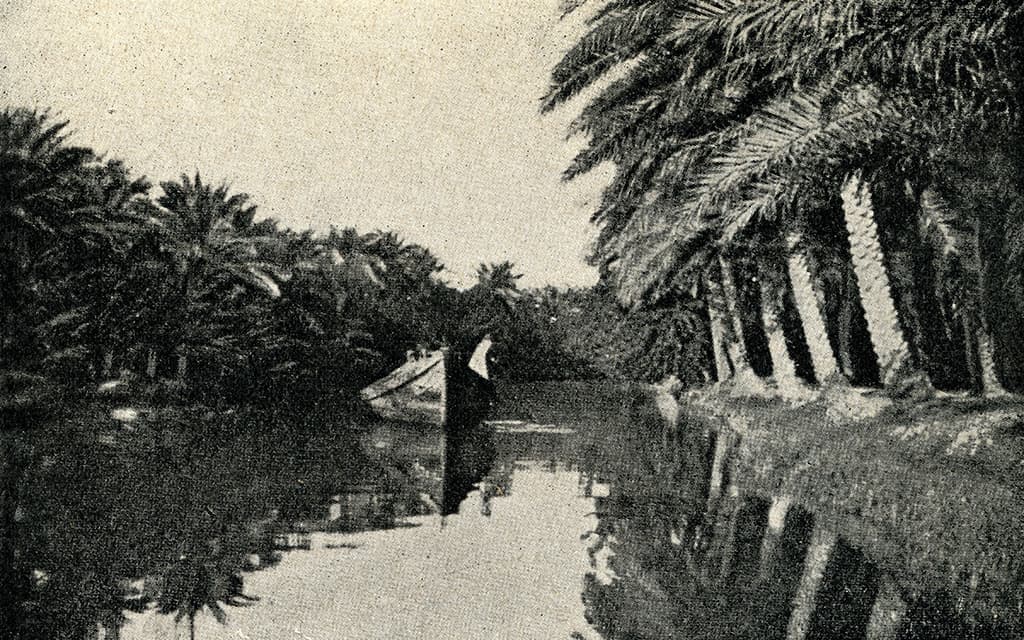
930,493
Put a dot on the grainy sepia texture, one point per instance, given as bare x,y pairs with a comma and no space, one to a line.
593,320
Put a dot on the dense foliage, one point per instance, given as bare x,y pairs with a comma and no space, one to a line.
573,334
173,368
734,125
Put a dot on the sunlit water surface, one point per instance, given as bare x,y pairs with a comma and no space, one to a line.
508,567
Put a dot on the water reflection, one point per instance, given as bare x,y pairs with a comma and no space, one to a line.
590,528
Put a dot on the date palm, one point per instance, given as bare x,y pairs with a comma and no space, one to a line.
732,110
962,270
98,287
219,256
37,169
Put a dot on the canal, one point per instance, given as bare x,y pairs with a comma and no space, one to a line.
574,512
545,504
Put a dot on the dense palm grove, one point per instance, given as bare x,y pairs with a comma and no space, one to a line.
174,367
100,277
161,356
804,191
835,187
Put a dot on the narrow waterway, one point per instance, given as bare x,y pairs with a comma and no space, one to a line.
509,564
579,516
514,574
529,544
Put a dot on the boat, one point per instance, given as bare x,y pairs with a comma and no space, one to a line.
434,388
414,392
444,396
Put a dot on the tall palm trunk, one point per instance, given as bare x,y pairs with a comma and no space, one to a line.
809,306
968,319
990,384
845,340
979,348
719,332
737,344
783,367
890,346
746,380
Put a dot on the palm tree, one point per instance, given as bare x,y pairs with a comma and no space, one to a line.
883,322
499,278
736,343
37,168
774,288
219,256
809,305
732,111
94,287
720,326
960,251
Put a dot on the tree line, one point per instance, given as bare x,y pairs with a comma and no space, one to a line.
173,366
101,277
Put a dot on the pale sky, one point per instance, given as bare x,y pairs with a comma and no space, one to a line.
414,116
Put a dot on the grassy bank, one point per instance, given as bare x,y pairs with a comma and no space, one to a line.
931,493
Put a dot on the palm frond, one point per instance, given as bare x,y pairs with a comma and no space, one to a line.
652,248
792,140
619,34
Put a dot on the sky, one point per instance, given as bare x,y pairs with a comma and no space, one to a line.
416,116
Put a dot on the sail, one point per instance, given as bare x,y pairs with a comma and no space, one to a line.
478,361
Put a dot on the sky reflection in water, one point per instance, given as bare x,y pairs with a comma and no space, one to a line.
516,573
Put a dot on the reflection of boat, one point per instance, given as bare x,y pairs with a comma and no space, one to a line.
442,389
435,387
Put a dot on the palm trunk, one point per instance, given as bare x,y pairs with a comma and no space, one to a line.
809,306
887,338
972,352
845,340
737,344
990,384
783,367
719,332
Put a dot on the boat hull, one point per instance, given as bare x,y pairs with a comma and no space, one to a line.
414,392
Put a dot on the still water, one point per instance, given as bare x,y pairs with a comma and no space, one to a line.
572,513
531,541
